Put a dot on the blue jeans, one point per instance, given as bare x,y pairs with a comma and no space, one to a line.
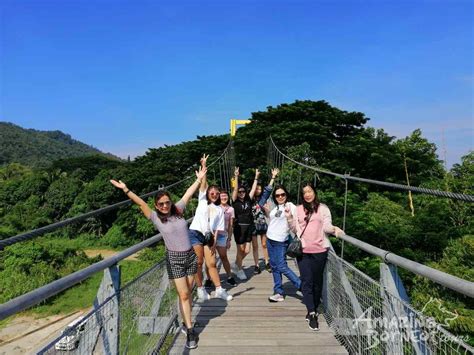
276,253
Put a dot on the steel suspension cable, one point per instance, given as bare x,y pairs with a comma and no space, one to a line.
447,194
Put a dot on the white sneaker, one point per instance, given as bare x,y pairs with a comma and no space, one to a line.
276,298
202,294
222,294
234,268
241,274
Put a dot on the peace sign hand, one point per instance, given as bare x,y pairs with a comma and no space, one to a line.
204,160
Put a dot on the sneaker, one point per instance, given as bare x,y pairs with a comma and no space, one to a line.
241,274
268,267
191,339
184,330
231,281
313,321
234,268
276,298
202,294
256,270
299,293
208,284
307,316
222,294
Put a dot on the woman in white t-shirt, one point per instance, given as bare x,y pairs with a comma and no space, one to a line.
277,242
208,221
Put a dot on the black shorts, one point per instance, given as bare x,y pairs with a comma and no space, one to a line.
243,233
181,263
259,231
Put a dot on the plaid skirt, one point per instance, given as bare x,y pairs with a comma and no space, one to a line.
181,263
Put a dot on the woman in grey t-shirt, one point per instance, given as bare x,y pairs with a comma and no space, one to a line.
181,261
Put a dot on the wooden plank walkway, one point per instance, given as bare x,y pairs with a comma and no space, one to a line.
249,324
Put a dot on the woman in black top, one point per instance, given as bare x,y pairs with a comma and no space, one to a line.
244,224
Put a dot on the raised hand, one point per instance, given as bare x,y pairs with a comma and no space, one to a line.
118,184
236,171
201,173
257,173
275,172
288,214
204,160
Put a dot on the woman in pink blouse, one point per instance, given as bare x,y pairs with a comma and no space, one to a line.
312,224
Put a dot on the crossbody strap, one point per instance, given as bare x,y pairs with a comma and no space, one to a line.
305,225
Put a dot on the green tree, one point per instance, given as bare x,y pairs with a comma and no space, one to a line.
458,260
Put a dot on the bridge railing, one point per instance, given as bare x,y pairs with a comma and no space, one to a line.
137,319
370,317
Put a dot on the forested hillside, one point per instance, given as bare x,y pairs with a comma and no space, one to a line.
439,232
35,148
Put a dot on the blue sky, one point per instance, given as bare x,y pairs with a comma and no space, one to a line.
128,75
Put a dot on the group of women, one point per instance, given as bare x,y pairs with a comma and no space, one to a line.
252,214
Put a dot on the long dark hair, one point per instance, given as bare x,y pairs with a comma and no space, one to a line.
309,207
174,211
280,187
218,201
255,197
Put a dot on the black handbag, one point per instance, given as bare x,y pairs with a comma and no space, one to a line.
208,239
295,248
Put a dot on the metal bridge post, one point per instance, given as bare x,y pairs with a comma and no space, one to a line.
106,326
397,319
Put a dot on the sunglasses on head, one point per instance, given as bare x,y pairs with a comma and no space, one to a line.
280,195
164,203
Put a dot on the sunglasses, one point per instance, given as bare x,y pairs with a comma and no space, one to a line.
164,203
280,195
241,191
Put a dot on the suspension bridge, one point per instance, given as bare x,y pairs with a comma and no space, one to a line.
359,315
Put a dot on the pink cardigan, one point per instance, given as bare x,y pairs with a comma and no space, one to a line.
314,239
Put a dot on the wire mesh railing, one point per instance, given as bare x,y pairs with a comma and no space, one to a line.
368,319
139,319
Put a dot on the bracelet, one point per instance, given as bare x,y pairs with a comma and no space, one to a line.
126,192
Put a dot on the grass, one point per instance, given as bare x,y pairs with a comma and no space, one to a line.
82,296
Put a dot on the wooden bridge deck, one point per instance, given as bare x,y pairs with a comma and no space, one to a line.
252,325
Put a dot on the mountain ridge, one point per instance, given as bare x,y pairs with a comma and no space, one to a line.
38,148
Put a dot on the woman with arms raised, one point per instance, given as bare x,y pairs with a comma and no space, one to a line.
243,227
207,223
181,261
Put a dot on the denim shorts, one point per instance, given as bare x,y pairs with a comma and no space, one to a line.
196,237
221,240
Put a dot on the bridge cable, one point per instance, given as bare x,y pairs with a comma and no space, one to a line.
447,194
